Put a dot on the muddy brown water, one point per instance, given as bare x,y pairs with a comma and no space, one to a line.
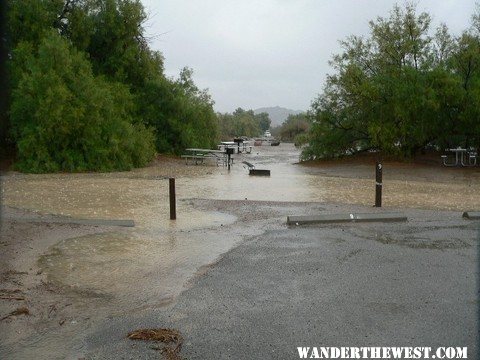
137,195
158,246
147,266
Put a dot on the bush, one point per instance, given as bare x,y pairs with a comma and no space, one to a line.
65,119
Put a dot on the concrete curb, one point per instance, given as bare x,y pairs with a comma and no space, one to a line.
345,218
471,215
95,222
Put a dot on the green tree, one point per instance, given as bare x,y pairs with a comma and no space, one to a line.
65,119
294,127
117,44
30,21
242,123
121,66
465,63
263,120
399,90
181,114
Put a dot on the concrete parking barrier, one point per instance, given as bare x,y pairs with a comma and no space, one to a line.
471,215
345,218
95,222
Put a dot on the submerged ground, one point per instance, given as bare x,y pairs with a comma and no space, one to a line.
228,273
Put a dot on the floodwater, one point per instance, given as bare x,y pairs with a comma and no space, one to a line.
157,245
142,196
147,266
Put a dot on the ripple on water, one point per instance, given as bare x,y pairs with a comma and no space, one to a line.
132,269
142,195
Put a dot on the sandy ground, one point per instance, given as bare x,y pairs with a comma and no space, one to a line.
24,285
78,281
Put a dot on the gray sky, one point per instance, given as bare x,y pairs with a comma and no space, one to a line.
252,54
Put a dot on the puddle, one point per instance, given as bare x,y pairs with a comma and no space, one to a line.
417,242
131,270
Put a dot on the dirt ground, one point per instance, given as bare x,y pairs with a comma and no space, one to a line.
23,284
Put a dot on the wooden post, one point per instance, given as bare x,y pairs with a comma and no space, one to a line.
378,184
173,205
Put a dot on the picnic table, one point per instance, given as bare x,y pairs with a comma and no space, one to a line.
224,145
463,157
200,155
245,146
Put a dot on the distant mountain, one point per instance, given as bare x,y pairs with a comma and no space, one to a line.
277,114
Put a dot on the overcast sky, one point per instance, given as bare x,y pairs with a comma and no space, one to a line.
253,54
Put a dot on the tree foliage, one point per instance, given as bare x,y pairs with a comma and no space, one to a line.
294,128
181,114
242,123
89,94
263,120
65,119
400,90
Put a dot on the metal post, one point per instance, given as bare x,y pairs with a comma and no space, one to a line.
229,151
378,184
173,205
